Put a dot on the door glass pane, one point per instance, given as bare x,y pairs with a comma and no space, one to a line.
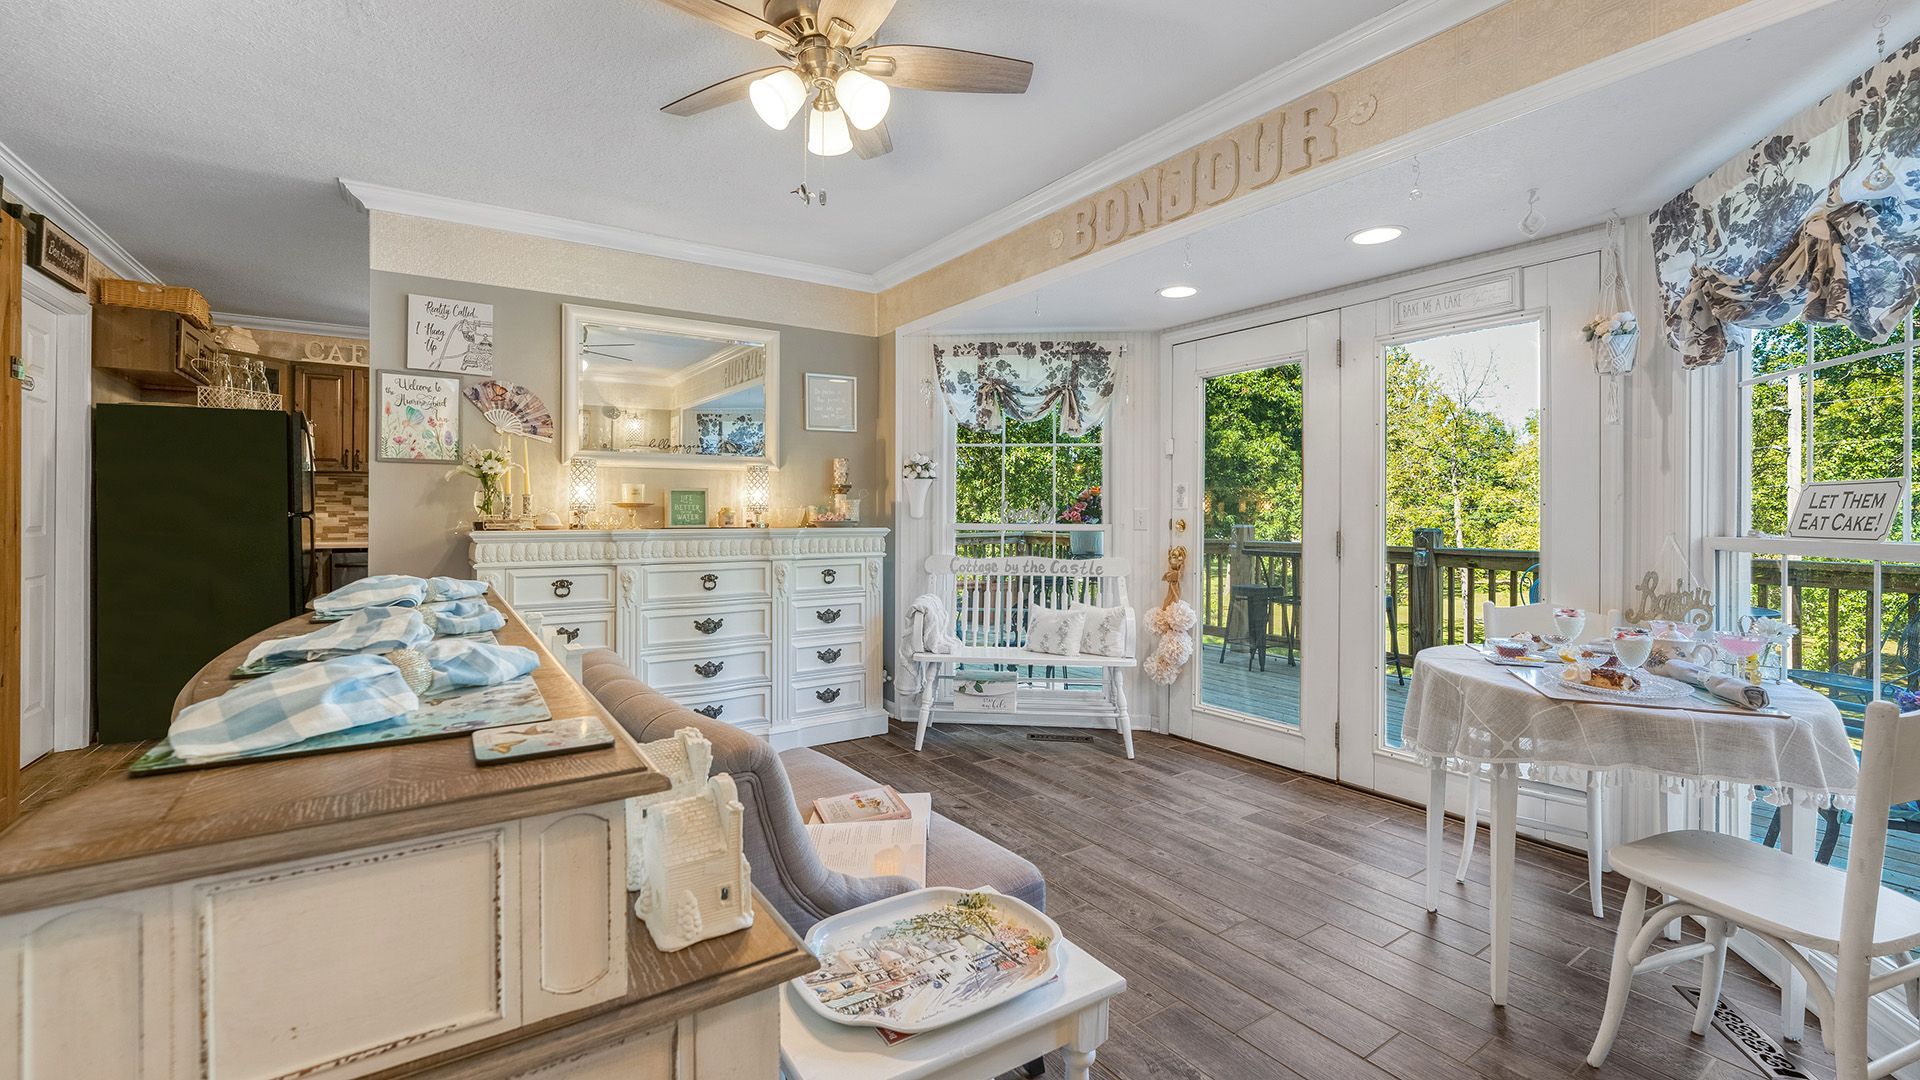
1251,650
1463,492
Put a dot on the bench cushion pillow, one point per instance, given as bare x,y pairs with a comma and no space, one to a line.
1056,633
1106,631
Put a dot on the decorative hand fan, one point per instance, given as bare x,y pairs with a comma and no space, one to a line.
512,409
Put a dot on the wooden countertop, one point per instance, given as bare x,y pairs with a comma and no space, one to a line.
123,833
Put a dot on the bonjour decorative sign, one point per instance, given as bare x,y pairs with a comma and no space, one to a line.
1284,142
1846,509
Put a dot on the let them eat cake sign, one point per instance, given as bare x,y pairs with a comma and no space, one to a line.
449,335
1847,509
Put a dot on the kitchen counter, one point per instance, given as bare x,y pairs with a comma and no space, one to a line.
339,545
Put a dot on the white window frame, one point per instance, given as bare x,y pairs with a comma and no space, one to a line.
950,493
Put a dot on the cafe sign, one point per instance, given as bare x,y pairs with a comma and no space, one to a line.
1847,509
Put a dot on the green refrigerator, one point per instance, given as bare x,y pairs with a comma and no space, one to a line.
202,537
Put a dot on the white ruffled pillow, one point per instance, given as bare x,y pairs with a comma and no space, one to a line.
1106,633
1056,633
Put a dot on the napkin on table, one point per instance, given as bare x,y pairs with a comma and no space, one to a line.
372,630
379,590
450,618
1725,687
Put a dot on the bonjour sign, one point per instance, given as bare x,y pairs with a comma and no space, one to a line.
1846,509
1285,141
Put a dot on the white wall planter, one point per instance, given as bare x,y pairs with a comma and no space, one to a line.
917,489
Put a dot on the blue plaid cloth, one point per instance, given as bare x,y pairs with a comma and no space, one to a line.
292,706
380,590
451,618
459,663
447,588
374,630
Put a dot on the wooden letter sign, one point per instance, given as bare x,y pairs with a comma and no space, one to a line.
1847,509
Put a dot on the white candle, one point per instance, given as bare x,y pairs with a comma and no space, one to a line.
633,493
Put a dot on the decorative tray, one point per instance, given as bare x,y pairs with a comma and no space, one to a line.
928,958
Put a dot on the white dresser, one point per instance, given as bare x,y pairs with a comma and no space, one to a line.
775,630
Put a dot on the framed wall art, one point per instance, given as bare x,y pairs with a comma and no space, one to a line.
449,335
54,252
419,418
833,402
687,508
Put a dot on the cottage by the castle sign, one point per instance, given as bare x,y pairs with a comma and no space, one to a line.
1284,142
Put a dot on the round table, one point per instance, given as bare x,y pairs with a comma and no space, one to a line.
1463,709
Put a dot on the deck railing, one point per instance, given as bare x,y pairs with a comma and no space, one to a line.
1832,603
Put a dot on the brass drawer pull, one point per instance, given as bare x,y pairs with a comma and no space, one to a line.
828,615
562,588
709,582
711,712
708,626
709,669
828,656
571,633
828,575
830,695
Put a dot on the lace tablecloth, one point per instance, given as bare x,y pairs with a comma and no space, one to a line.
1466,710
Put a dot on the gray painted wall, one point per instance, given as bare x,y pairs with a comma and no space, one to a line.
418,517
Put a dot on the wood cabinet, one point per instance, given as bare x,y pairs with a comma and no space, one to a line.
153,349
334,399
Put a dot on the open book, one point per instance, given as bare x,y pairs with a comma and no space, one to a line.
878,848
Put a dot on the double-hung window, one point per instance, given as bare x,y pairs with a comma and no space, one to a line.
1030,489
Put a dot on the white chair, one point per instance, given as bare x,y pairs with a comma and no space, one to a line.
1496,622
1790,903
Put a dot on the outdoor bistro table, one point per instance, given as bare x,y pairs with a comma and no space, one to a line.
1464,710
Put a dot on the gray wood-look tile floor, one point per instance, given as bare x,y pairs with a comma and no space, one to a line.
1271,924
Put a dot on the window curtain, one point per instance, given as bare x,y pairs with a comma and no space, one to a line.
985,382
1820,220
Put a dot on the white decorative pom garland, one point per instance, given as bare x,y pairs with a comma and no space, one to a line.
1174,622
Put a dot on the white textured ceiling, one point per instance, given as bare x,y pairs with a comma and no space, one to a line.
206,135
1630,146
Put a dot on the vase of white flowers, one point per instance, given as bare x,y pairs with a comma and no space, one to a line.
1614,338
490,467
917,476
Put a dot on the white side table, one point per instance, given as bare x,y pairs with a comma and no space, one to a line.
1068,1013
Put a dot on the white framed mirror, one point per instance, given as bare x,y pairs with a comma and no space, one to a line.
644,389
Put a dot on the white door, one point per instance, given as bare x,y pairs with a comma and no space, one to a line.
1261,539
39,348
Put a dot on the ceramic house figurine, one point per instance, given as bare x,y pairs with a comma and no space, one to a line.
684,758
694,883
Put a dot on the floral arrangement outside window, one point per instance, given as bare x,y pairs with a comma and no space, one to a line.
1084,509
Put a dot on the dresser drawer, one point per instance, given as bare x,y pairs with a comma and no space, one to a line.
716,667
846,691
748,707
836,657
560,587
693,581
828,615
593,628
828,575
738,621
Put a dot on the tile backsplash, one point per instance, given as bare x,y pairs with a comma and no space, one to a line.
340,508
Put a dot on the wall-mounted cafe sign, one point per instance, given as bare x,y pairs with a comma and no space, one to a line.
1285,142
1847,509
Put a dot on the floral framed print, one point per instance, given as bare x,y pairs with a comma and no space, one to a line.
419,418
833,402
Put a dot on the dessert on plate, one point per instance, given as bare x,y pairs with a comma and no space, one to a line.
1602,677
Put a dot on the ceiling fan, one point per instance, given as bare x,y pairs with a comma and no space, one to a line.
831,56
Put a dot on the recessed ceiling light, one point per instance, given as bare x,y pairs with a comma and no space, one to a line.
1178,292
1379,234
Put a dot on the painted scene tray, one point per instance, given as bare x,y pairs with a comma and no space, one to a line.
928,958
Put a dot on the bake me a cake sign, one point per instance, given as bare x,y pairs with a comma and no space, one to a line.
1286,141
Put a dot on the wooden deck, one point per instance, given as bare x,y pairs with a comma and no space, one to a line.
1270,926
1274,694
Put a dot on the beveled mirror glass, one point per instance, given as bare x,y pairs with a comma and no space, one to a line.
655,390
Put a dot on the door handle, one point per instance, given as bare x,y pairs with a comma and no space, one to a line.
709,669
709,582
570,633
828,656
830,695
708,626
828,615
562,588
828,575
711,712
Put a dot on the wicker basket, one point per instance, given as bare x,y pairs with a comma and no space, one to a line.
179,299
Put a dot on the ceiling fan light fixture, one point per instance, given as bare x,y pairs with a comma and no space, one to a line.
777,97
827,134
864,98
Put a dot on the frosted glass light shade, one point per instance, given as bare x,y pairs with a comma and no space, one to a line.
827,134
777,97
583,484
758,493
864,98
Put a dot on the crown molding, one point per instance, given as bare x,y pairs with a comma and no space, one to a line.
289,326
1374,40
33,191
394,200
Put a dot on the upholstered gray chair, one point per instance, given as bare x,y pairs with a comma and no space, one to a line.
774,789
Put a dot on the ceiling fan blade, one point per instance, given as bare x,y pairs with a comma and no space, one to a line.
929,67
727,17
871,143
725,92
858,20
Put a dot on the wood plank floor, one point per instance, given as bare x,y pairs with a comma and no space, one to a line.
1270,924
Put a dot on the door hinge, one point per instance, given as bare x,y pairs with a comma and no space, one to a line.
1339,352
1339,544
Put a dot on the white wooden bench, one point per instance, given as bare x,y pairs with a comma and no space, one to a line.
992,600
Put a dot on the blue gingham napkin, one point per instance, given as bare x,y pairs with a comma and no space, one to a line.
292,706
447,588
379,590
459,663
373,630
451,618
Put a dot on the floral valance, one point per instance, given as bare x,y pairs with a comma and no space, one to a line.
985,382
1820,221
